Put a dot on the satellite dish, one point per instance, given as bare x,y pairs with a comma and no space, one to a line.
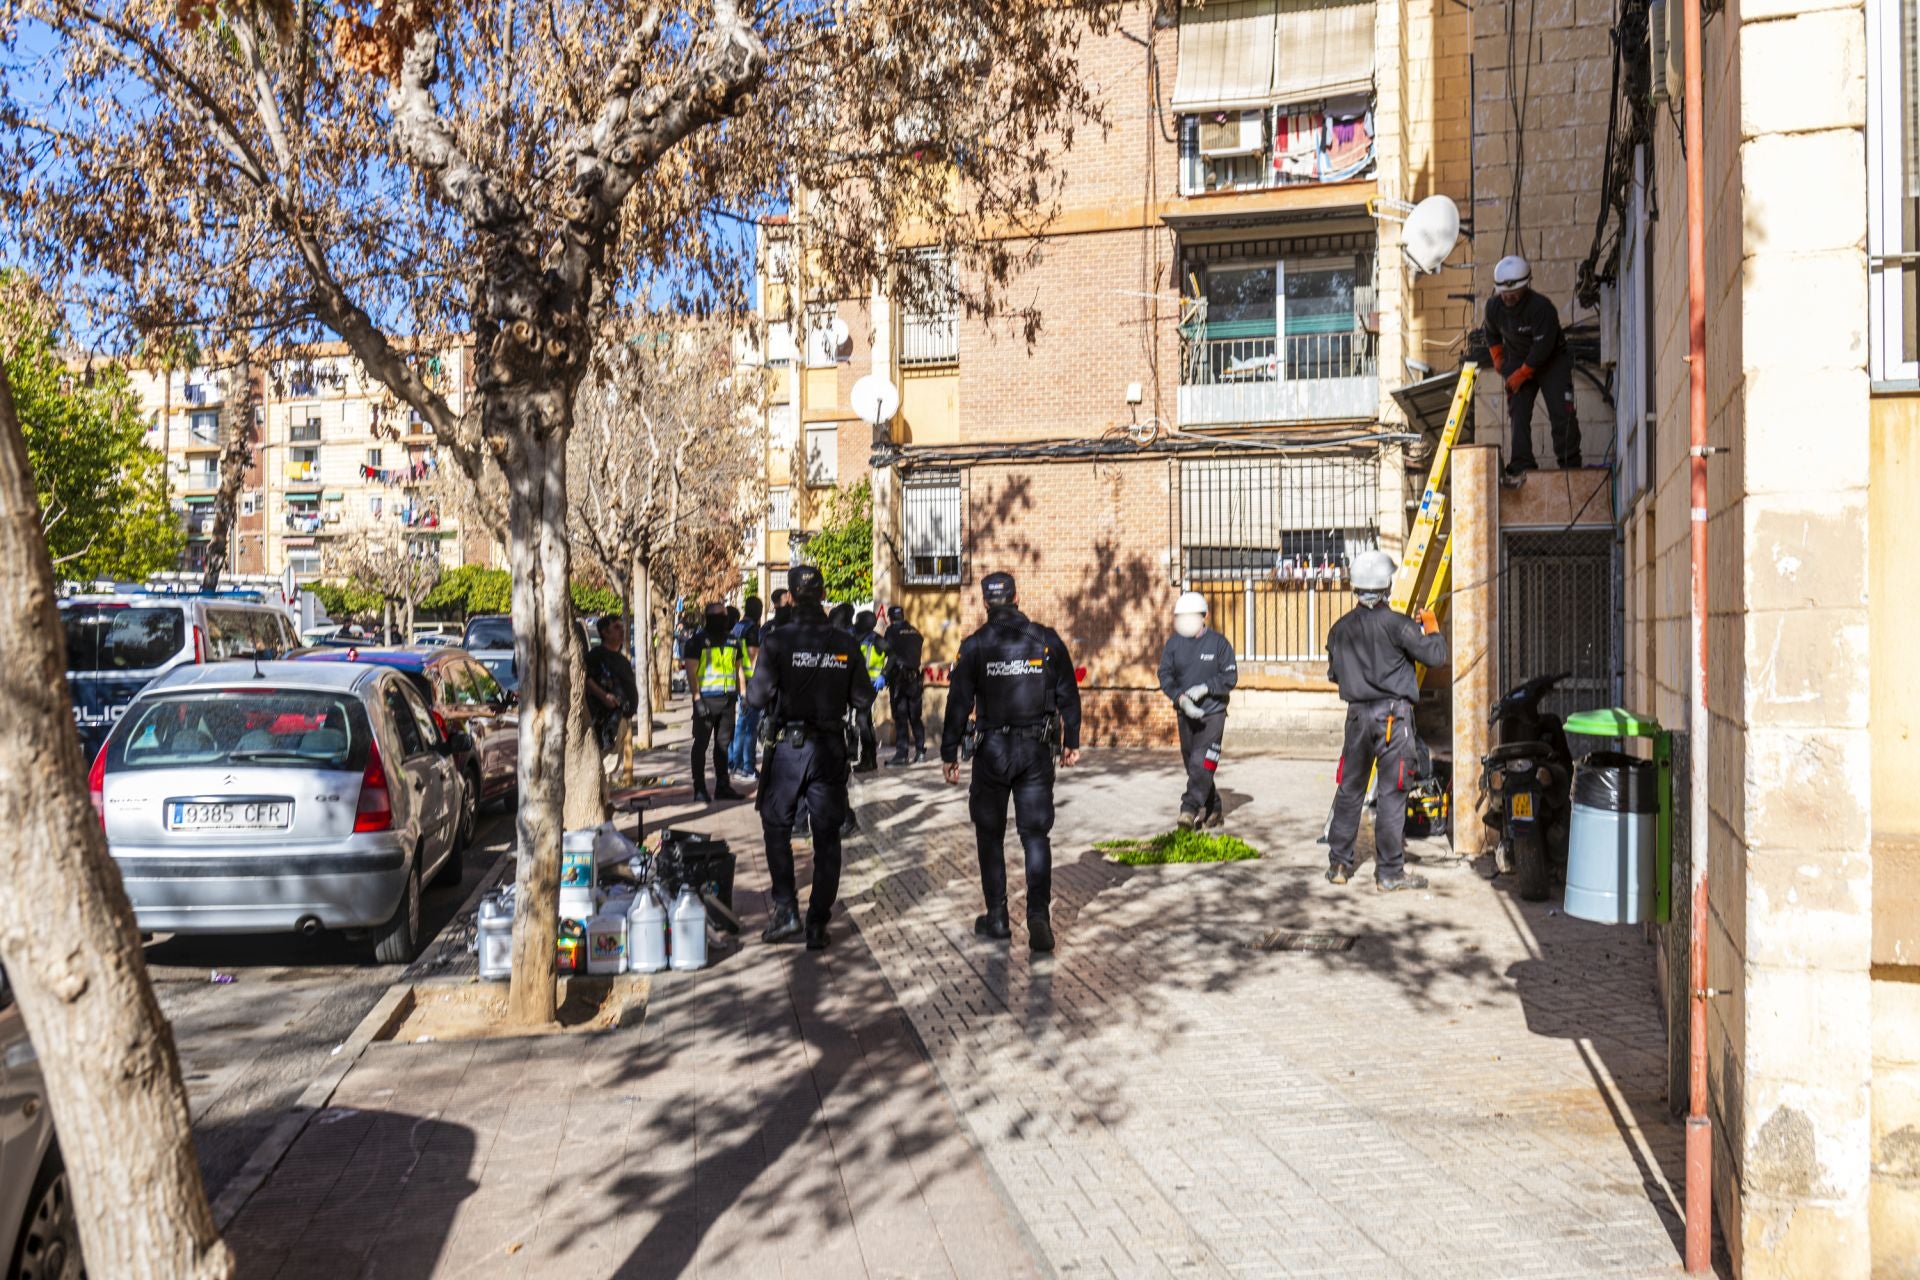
840,334
875,399
1432,230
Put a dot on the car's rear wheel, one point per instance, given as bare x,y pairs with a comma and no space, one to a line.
399,940
49,1247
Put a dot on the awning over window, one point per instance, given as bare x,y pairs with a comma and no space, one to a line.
1226,56
1321,48
198,499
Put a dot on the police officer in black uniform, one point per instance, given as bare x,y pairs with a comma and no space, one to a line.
1371,653
1021,677
906,685
808,677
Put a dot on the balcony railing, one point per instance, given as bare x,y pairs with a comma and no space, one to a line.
203,438
929,339
304,522
1299,378
305,472
198,481
304,433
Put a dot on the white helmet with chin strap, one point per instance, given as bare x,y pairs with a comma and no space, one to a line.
1512,274
1190,614
1373,572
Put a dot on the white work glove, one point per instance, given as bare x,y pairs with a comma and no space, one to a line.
1191,708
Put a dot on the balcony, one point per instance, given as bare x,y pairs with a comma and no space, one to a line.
202,480
1308,377
199,523
929,340
304,433
203,441
303,472
304,521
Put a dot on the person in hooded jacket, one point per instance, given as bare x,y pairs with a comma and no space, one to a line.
873,651
1198,673
906,685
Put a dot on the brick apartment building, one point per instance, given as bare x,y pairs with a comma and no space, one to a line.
334,455
1209,402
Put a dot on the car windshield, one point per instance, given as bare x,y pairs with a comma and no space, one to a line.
288,728
489,633
118,638
502,671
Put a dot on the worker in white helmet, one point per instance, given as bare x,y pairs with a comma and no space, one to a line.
1531,355
1197,673
1371,654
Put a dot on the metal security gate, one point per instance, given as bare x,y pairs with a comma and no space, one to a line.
1270,542
1556,614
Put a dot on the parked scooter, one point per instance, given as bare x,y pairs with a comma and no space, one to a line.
1528,778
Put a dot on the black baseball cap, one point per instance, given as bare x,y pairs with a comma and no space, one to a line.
895,613
805,582
716,610
863,620
997,588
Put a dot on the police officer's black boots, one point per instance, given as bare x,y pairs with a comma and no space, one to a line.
785,926
817,936
919,754
1039,931
994,924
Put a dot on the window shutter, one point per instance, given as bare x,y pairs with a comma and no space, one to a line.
1322,48
1226,56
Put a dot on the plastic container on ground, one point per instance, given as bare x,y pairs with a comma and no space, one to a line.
1611,839
577,874
495,930
607,944
689,931
647,932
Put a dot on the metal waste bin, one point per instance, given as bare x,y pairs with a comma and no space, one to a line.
1611,839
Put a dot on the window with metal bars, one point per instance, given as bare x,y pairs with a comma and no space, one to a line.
1269,542
931,518
779,509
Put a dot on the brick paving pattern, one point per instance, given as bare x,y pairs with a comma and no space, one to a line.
1473,1090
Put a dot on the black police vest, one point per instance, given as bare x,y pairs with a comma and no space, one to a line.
1015,687
817,668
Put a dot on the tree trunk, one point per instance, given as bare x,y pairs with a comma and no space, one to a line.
386,623
236,450
542,615
586,804
643,653
68,940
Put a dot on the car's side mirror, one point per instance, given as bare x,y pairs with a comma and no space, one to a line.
459,742
512,698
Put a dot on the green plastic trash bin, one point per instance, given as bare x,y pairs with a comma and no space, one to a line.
1611,839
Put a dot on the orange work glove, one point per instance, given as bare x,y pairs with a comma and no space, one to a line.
1518,378
1429,623
1497,352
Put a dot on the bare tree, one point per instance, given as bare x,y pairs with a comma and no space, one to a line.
71,948
403,570
664,464
238,435
502,171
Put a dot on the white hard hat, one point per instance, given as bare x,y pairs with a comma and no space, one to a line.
1373,571
1512,273
1190,602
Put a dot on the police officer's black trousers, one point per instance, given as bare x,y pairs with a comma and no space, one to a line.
1021,769
711,735
814,774
869,740
908,719
1200,750
1555,382
1377,732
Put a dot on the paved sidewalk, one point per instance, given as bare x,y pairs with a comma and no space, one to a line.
1473,1090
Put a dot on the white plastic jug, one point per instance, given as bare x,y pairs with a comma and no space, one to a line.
647,932
689,930
607,944
577,878
495,938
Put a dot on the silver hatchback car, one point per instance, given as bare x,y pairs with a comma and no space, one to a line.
243,797
39,1239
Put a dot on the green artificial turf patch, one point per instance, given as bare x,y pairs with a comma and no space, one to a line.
1178,846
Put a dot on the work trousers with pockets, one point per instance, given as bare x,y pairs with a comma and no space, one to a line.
869,739
712,734
1019,768
741,759
1555,382
1200,750
813,775
1379,735
909,722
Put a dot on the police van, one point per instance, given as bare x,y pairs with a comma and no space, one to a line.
118,644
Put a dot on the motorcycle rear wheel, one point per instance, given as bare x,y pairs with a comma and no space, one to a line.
1530,863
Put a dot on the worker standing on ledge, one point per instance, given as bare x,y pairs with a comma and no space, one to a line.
1370,655
1531,355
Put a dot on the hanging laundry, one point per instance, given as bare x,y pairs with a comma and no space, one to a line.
1296,145
1347,148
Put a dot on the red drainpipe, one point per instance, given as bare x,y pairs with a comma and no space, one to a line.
1699,1188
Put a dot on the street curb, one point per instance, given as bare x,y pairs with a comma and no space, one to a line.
382,1018
387,1013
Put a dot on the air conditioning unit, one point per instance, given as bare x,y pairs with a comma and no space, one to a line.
1665,50
1241,133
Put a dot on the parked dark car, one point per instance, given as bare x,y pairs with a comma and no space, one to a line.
464,696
